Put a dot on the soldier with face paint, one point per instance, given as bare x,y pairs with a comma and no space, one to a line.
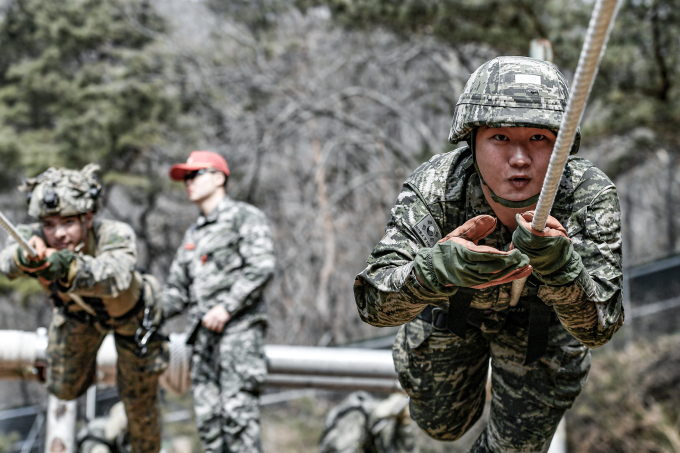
460,233
88,268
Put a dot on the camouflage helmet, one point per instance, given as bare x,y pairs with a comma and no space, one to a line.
63,192
512,91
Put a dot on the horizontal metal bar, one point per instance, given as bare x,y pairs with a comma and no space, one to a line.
329,361
332,382
288,366
656,307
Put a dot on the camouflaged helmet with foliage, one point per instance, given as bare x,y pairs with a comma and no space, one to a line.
63,192
512,91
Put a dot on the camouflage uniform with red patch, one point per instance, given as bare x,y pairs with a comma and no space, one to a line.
225,259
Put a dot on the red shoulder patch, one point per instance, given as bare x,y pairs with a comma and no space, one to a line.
189,246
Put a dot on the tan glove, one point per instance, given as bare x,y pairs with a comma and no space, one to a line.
458,260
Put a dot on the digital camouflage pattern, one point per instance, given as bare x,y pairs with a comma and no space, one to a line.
63,192
439,196
362,423
512,91
446,378
226,258
105,278
227,372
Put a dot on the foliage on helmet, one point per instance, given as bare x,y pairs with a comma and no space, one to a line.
512,92
63,192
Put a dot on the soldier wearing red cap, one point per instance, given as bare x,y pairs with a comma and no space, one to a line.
218,277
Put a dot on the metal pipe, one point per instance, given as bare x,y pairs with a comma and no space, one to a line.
333,382
329,361
18,353
335,367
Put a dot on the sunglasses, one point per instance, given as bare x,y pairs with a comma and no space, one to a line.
192,174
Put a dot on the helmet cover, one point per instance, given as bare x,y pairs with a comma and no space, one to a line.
512,92
63,192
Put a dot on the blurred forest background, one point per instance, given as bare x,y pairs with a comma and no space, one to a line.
322,109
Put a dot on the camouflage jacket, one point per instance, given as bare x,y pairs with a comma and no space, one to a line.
444,193
225,258
105,275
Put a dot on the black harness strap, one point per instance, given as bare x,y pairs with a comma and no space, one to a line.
539,326
459,305
455,321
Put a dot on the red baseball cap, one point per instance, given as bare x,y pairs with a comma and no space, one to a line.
198,160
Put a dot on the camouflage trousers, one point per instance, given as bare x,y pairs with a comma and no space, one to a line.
71,360
446,378
360,424
227,372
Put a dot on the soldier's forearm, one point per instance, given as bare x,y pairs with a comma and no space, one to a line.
395,302
589,312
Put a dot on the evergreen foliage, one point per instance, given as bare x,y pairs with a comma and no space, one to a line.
640,76
505,25
256,15
79,84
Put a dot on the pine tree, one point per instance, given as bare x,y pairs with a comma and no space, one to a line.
79,83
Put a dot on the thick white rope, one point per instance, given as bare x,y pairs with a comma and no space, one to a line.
601,23
12,231
177,377
593,48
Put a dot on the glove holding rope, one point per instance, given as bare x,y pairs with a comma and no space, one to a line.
550,251
32,264
458,261
49,264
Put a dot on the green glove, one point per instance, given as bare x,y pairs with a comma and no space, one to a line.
59,266
26,265
457,260
550,251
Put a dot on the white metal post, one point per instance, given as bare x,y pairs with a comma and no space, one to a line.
61,426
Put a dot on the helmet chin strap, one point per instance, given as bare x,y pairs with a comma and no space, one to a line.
502,201
513,204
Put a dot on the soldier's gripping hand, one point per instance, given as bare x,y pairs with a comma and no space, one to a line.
32,264
216,318
59,265
458,260
550,251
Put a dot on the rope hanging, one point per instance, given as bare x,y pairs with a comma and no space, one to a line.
12,231
600,26
593,48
